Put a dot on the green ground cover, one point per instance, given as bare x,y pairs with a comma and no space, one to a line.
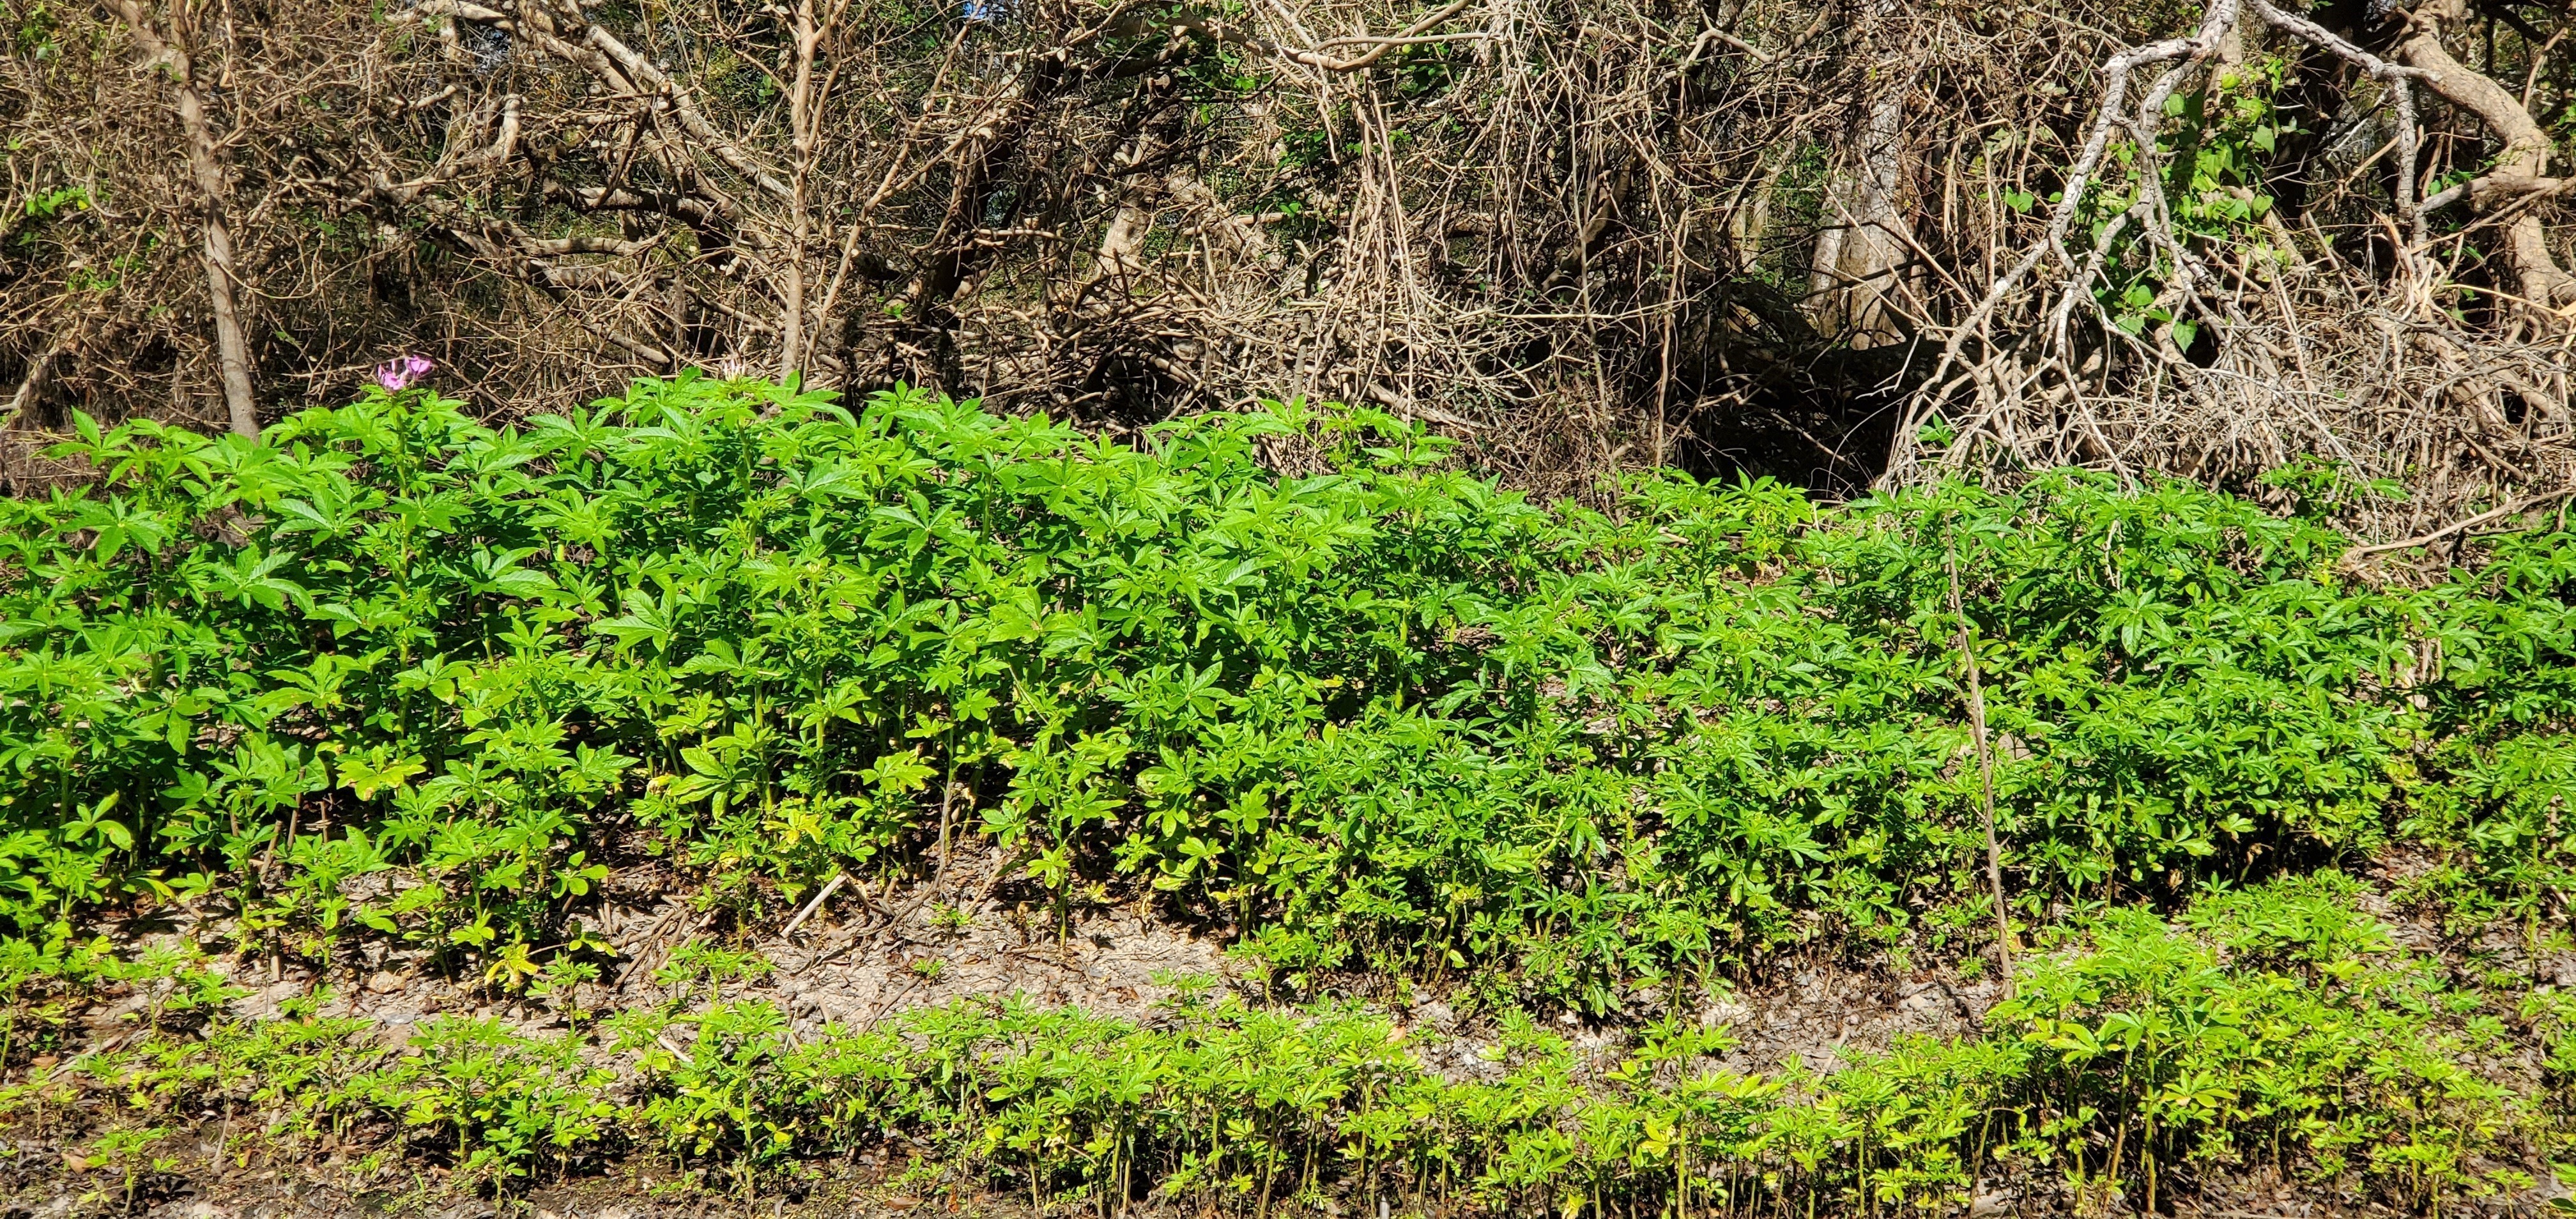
2268,1026
390,675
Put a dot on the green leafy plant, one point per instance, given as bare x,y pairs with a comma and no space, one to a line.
1388,716
390,674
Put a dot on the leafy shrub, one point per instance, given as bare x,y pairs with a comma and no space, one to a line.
390,669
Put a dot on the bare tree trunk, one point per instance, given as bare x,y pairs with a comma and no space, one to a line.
1863,243
232,345
2520,169
800,118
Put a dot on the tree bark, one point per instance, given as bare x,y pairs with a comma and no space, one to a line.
232,344
2524,160
1863,245
801,119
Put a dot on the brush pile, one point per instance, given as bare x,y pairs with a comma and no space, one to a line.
1841,241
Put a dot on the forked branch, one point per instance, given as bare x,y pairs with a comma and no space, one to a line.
2235,331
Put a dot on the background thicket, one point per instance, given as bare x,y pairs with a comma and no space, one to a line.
1785,236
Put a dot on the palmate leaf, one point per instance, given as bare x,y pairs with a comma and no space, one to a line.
378,769
499,572
899,772
91,825
595,769
116,524
645,619
251,578
365,615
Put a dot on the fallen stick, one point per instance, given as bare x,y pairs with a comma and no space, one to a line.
838,879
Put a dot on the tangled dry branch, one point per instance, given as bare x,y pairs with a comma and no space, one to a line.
1779,236
2237,356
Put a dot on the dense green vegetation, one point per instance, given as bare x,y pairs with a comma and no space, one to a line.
1384,715
2267,1026
389,673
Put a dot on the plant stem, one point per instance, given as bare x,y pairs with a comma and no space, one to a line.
1985,769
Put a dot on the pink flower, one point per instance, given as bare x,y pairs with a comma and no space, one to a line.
397,375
